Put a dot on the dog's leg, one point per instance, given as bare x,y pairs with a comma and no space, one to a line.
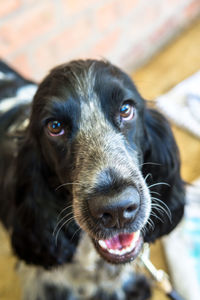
138,288
48,291
102,295
40,284
53,292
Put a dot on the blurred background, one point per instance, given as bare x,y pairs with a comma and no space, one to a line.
36,35
157,42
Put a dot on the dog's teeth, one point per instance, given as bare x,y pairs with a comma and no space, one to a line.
123,251
116,251
119,252
102,244
134,241
111,251
136,236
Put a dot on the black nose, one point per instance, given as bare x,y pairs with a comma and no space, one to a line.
116,211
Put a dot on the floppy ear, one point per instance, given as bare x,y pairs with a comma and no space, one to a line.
162,163
36,209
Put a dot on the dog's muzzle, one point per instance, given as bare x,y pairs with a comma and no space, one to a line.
117,212
111,199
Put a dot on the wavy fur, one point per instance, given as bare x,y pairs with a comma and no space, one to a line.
34,169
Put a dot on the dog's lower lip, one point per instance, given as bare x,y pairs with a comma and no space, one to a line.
115,252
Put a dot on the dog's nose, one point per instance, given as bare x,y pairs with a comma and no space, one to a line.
116,211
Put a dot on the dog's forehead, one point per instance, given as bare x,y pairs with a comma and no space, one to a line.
90,102
85,82
92,81
103,89
92,115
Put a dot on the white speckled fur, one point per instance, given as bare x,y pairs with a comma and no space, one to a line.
98,139
87,273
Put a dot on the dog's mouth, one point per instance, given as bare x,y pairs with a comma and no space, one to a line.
121,248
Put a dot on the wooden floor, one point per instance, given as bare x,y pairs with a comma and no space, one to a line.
176,62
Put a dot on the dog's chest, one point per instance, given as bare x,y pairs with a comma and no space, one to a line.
92,273
85,277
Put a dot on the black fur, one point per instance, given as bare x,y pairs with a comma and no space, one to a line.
161,149
138,288
11,82
31,168
51,292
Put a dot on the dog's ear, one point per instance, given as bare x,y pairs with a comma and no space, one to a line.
35,213
162,171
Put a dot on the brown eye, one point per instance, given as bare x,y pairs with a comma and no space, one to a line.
55,128
127,111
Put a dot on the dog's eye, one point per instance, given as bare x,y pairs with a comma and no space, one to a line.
55,128
127,111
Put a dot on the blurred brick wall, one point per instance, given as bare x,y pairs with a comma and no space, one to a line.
35,35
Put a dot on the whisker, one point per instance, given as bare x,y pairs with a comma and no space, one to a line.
149,163
62,219
149,174
156,193
149,223
161,210
65,223
162,202
64,209
154,215
158,207
168,212
158,183
75,233
67,183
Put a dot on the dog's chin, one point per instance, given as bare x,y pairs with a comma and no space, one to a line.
121,248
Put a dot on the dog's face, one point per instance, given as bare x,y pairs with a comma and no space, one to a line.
89,121
90,127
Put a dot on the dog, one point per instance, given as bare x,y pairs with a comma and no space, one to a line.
88,174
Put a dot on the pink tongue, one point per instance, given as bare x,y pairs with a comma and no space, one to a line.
119,241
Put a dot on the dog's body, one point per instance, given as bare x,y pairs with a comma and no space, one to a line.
88,173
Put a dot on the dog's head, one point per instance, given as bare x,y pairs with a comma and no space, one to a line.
111,154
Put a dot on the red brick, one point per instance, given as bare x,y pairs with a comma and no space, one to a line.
107,15
72,7
151,13
8,6
168,26
36,22
128,6
192,10
173,3
34,2
63,45
21,64
145,19
44,59
133,54
26,27
107,44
